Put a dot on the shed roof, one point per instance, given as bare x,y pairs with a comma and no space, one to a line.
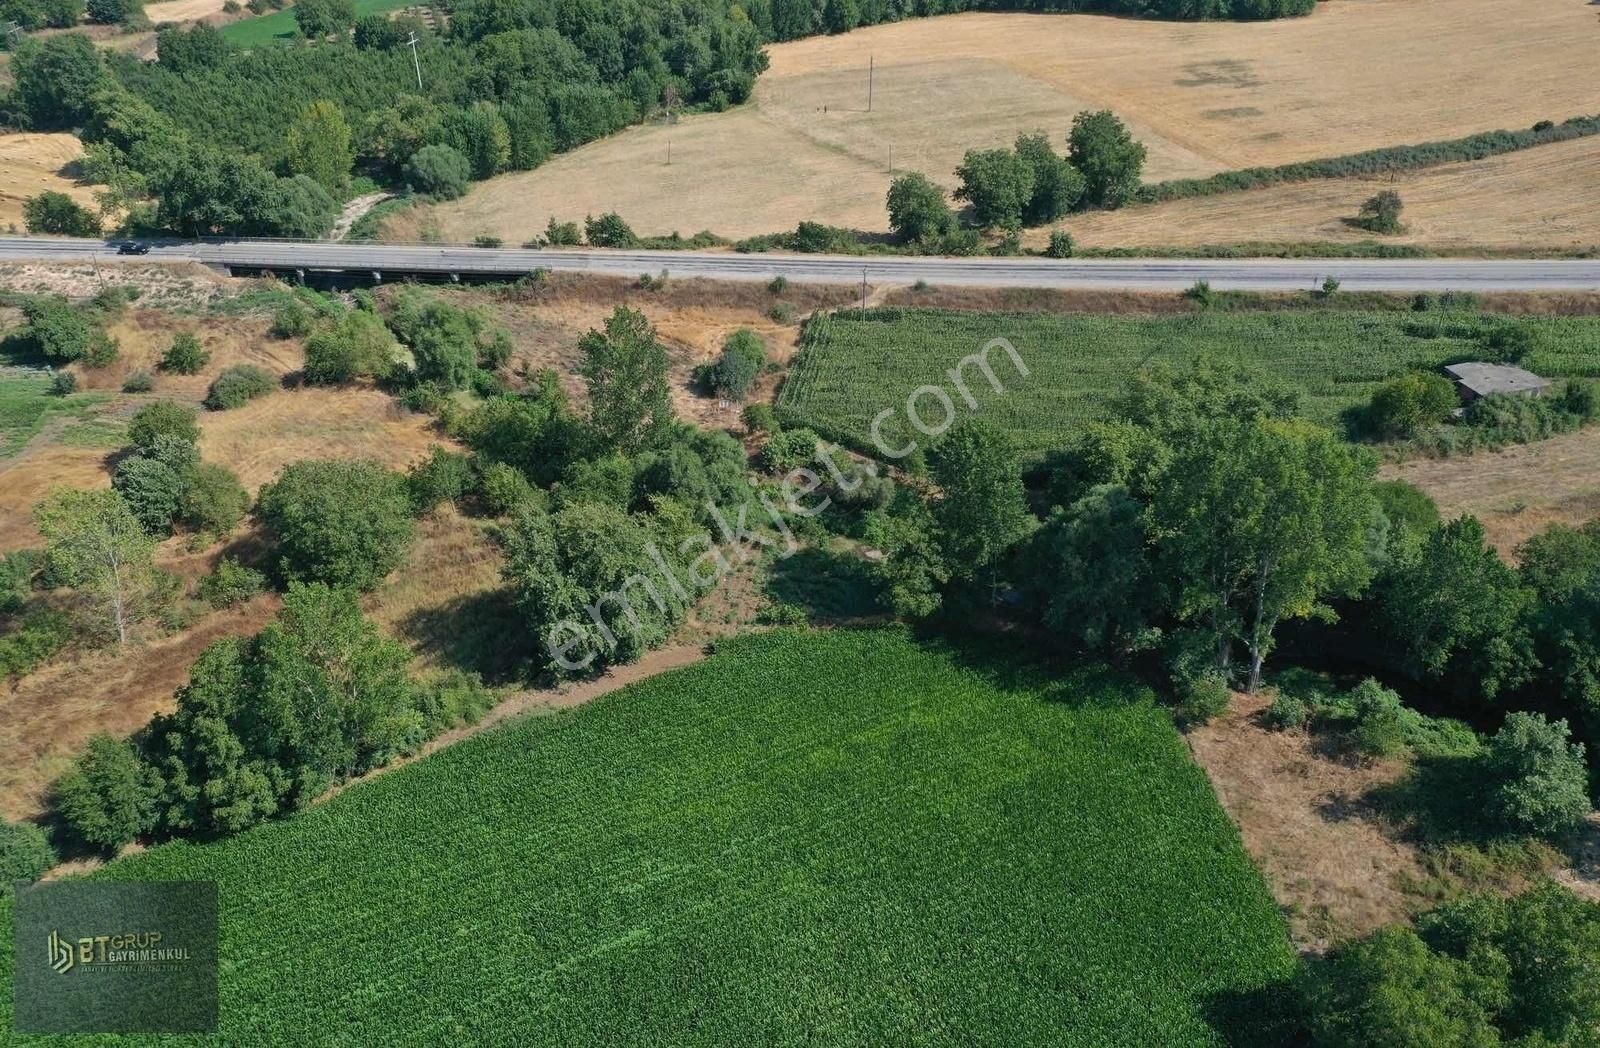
1484,379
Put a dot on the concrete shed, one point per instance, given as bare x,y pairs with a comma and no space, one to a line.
1474,380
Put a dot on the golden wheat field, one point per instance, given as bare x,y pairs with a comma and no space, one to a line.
31,164
1204,97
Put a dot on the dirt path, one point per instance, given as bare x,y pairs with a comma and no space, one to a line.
354,210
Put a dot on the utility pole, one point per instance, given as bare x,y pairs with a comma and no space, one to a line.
871,61
414,60
863,287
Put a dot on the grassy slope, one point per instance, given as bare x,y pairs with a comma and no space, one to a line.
1334,359
26,405
831,838
279,27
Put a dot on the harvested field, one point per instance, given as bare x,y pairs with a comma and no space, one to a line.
31,164
1516,492
1203,97
259,439
1546,197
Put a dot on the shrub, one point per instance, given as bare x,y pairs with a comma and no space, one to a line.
438,171
25,853
788,449
452,700
1407,404
213,499
1287,712
562,234
152,491
1110,161
1330,287
1204,698
782,313
1200,293
231,584
291,320
744,356
52,212
1381,213
185,356
343,522
759,418
486,240
608,230
504,490
63,383
109,796
62,332
357,345
163,418
444,476
138,381
1060,245
1380,728
1536,776
31,641
778,285
238,385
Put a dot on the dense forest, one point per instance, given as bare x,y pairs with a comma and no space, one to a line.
209,139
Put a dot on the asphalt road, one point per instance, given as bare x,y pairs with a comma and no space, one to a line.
395,260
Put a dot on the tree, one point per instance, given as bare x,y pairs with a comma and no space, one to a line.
108,798
319,145
1456,611
626,370
52,212
1110,161
95,544
114,12
982,510
998,184
743,358
185,356
320,18
1406,405
63,333
1381,213
608,230
480,134
917,208
192,50
339,521
357,345
152,491
840,16
55,79
1260,521
1094,573
438,171
25,853
163,418
1057,185
1538,781
213,500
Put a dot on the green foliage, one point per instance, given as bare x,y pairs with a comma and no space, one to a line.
1057,185
562,234
55,78
94,543
239,384
1379,730
982,511
338,521
626,371
1060,245
114,12
186,356
538,435
356,345
1092,573
917,208
787,450
759,418
1106,155
504,490
63,383
25,854
319,144
138,381
1381,213
1538,780
108,798
744,357
163,418
1119,868
998,184
448,344
152,491
52,212
291,320
444,476
62,332
1410,403
320,18
438,171
30,640
213,500
231,584
608,230
1204,698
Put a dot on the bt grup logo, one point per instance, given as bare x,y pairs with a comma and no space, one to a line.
60,953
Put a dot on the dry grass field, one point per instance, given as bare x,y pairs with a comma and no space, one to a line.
31,164
1204,97
1545,197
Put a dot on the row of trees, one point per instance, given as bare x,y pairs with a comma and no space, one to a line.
793,19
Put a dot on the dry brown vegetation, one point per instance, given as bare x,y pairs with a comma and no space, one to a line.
31,164
1516,492
1204,97
172,285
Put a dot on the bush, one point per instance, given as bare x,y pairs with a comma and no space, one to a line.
108,798
562,234
452,700
25,854
185,356
30,642
1111,162
788,450
759,418
744,356
62,332
444,476
213,499
1060,245
51,212
609,230
238,385
1537,778
1381,213
1204,698
163,418
1380,729
438,171
291,320
505,490
152,490
357,345
485,240
778,285
1200,294
63,383
231,584
782,313
139,381
1287,712
343,522
1410,403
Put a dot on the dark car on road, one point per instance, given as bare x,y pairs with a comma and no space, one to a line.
132,247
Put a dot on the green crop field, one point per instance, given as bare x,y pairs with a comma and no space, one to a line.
820,838
279,27
26,405
855,365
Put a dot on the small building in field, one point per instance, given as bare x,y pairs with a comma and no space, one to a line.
1474,380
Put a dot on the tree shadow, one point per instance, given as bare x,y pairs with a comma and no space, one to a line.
828,585
479,632
1440,800
1267,1016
